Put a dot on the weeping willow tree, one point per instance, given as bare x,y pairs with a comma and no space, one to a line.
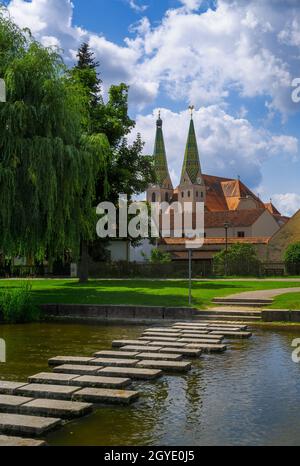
48,166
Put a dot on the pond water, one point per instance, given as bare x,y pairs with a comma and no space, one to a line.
249,395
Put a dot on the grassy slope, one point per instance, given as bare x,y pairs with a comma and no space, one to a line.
139,292
287,301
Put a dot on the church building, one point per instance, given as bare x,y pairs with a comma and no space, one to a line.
233,213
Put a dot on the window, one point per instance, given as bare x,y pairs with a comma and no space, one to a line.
189,193
182,194
167,197
241,234
197,194
202,195
153,197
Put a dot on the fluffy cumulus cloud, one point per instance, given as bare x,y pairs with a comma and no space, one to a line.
288,203
251,48
228,146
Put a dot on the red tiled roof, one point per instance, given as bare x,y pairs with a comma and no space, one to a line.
236,218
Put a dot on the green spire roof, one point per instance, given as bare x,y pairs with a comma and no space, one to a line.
160,158
191,164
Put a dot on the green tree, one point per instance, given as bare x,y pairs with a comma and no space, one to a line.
128,171
160,257
240,259
48,166
292,258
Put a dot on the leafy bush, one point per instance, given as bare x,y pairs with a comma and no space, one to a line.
240,259
17,306
160,257
292,258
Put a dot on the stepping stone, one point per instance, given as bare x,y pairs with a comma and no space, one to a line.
160,335
9,388
6,441
98,395
20,424
160,356
155,338
11,403
145,349
167,343
96,381
185,352
166,365
52,378
76,369
201,341
235,334
56,408
205,335
206,348
115,362
222,330
120,343
58,392
161,330
68,360
142,374
116,354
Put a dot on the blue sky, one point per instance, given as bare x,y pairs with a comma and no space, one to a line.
233,59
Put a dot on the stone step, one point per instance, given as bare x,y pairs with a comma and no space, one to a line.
249,311
116,354
20,424
209,336
93,381
160,356
57,408
142,374
140,348
200,341
169,344
161,329
160,335
6,441
238,319
185,352
231,299
99,361
120,343
60,360
206,348
211,322
76,369
43,407
57,392
98,396
155,338
166,365
9,388
234,334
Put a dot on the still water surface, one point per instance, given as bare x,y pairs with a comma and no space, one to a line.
249,395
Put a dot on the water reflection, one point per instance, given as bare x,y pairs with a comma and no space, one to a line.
249,395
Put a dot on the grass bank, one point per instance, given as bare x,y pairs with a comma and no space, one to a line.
172,293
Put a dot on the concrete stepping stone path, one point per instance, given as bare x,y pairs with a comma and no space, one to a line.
20,424
141,374
101,395
6,441
166,365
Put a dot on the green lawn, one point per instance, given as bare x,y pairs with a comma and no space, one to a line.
287,301
140,292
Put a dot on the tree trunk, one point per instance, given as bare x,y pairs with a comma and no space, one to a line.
84,263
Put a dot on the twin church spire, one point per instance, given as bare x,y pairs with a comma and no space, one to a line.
191,169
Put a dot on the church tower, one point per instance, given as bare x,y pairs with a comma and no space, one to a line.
192,186
162,191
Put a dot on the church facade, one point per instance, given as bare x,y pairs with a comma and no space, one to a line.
233,213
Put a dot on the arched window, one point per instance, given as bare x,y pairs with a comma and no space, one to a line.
153,197
167,197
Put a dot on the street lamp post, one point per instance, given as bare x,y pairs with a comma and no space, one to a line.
226,226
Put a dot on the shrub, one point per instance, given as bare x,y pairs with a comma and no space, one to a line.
292,258
17,306
240,259
160,257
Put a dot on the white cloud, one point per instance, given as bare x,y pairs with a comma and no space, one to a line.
228,146
248,47
136,7
288,203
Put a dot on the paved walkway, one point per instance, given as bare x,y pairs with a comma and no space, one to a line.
263,294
